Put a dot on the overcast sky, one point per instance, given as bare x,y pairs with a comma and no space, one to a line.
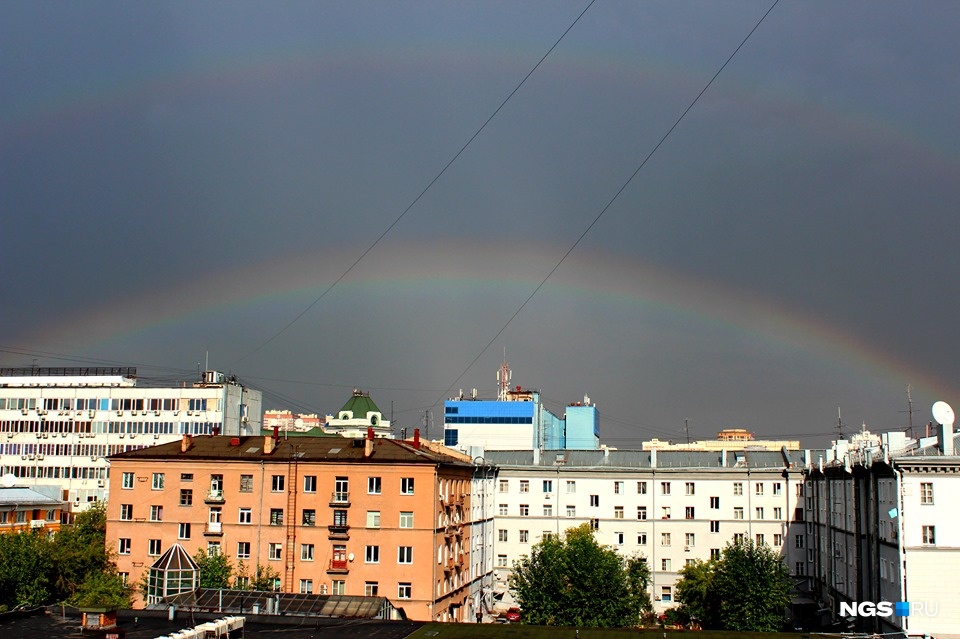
181,181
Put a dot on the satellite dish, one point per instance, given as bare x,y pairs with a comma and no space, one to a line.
9,480
943,413
350,556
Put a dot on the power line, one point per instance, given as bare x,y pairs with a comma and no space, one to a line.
612,199
418,197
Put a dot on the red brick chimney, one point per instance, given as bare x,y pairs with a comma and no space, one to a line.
416,438
368,443
186,442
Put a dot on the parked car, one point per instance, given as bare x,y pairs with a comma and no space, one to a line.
513,615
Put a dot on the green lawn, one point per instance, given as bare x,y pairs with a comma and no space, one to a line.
519,631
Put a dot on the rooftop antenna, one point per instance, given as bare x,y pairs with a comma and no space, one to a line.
503,377
910,411
839,425
686,427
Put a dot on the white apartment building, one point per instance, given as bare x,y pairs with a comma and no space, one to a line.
670,507
883,525
58,425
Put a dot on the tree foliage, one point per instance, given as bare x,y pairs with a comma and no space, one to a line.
574,581
747,589
102,590
79,549
215,569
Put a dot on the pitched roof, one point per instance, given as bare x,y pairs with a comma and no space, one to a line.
360,404
23,496
304,449
175,558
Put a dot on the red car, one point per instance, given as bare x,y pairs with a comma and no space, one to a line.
513,615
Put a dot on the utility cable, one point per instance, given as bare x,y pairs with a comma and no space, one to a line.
418,197
610,201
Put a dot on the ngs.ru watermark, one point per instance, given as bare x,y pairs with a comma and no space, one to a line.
889,609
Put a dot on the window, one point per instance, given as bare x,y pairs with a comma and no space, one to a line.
246,483
641,488
306,586
664,539
405,555
404,590
126,512
688,488
186,497
594,501
618,512
501,561
758,489
798,541
666,593
777,488
275,551
524,536
243,550
571,487
690,539
309,517
276,516
689,512
715,526
406,485
738,512
504,486
502,510
665,565
373,519
156,513
760,539
502,535
737,488
158,481
642,539
571,511
800,569
548,485
124,546
245,516
714,553
926,493
548,510
339,518
777,512
309,483
618,488
524,486
277,483
183,531
641,512
665,512
306,552
738,538
618,539
759,512
777,540
341,487
524,510
372,555
594,524
929,535
337,586
715,502
406,519
371,589
216,485
153,547
127,480
664,488
373,485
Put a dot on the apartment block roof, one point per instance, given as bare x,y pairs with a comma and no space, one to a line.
643,460
22,496
302,449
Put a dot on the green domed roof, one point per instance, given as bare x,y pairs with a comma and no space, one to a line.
360,404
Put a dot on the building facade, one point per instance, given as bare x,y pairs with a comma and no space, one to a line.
59,425
669,507
359,415
23,509
374,516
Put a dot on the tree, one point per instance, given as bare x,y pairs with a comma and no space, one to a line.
215,569
79,550
102,590
26,569
747,589
574,581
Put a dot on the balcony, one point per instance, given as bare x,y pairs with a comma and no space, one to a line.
213,497
340,499
339,532
338,567
214,529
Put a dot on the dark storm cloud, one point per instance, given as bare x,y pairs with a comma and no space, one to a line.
144,148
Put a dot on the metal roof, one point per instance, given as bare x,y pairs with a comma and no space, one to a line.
284,603
642,459
22,496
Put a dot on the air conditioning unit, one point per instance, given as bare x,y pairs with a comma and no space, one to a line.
176,412
92,413
31,457
156,435
156,412
39,456
100,483
23,411
686,549
120,412
94,458
143,412
23,456
133,435
122,435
